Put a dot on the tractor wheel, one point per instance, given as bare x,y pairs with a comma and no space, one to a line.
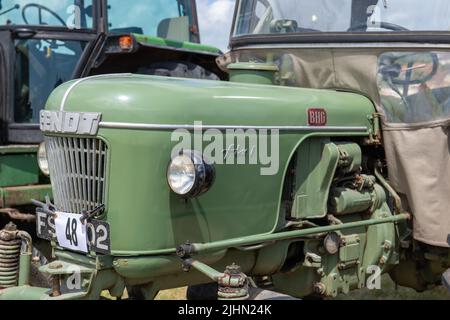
178,69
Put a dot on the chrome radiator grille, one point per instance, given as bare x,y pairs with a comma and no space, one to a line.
77,171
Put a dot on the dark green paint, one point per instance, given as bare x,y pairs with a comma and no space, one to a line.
18,169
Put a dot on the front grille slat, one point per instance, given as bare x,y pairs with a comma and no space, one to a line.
84,160
89,174
69,189
71,181
100,167
68,186
77,172
65,174
75,182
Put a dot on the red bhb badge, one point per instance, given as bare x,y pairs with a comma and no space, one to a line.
317,117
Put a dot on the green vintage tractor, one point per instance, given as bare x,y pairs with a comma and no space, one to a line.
43,44
321,165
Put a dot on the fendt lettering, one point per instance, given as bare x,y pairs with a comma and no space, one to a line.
70,122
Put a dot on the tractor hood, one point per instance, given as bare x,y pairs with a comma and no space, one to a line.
160,100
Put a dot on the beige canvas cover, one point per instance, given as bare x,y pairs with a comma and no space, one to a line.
419,163
417,143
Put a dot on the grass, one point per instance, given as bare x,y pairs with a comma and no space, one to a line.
173,294
390,292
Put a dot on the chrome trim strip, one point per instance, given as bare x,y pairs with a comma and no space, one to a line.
167,127
68,91
76,83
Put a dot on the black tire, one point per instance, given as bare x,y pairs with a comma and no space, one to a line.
135,293
178,69
202,292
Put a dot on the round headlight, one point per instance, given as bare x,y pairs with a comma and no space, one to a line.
42,159
189,175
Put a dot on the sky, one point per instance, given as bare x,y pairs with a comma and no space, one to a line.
215,18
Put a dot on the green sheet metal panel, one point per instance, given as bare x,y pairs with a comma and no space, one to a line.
18,169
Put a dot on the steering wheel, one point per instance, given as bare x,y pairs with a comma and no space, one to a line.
41,8
381,24
391,70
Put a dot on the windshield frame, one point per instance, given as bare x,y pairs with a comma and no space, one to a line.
308,37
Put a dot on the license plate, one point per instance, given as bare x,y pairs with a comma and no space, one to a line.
70,233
